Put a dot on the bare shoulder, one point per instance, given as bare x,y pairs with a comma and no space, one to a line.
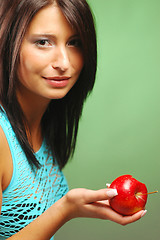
2,143
6,167
0,198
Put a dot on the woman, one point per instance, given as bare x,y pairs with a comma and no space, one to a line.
47,69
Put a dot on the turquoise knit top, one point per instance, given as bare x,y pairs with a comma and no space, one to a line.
30,192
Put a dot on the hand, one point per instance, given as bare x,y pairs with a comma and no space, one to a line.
94,204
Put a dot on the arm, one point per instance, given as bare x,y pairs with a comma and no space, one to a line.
76,203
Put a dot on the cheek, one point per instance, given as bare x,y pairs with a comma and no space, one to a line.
30,63
81,63
26,66
78,63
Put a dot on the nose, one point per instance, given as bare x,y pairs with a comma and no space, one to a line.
61,59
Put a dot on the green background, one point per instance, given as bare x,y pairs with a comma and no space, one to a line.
120,128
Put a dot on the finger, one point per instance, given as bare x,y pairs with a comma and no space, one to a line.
124,220
133,218
108,185
100,195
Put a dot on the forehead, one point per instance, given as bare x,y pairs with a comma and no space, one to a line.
50,20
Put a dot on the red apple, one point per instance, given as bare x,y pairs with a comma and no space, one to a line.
132,195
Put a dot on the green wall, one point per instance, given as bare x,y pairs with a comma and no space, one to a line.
120,128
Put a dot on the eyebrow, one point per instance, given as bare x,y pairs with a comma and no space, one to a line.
49,35
43,35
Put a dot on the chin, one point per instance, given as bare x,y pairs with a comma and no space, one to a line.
58,96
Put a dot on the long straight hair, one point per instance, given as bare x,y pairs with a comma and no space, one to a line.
61,119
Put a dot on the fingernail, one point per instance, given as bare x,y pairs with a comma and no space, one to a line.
144,213
108,185
112,193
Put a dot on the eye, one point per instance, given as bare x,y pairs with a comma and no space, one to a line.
76,42
43,43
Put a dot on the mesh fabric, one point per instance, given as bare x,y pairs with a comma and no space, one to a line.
30,192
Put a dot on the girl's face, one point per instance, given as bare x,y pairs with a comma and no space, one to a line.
51,57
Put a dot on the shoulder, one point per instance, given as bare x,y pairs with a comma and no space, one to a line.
1,165
5,161
5,158
2,152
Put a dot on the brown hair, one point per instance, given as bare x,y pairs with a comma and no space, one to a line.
60,126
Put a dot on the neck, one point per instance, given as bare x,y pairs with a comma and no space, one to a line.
34,131
33,110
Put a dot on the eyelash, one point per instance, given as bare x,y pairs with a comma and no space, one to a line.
75,43
45,43
42,43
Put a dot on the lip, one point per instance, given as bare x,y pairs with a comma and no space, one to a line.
57,78
57,81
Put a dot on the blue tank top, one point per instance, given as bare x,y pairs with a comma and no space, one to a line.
30,192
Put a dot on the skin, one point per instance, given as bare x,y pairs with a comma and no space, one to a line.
38,60
47,51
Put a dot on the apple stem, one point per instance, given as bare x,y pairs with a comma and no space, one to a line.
152,192
147,193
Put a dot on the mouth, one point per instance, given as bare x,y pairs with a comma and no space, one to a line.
57,78
57,81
